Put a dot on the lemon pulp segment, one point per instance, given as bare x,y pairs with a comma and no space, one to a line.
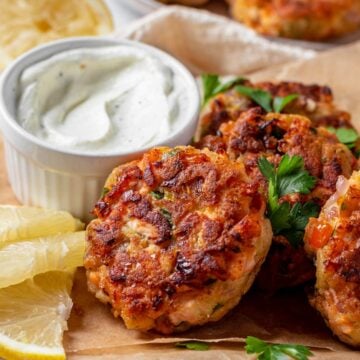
25,259
33,317
22,222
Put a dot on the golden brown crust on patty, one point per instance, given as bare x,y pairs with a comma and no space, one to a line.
314,101
299,19
334,239
255,134
178,239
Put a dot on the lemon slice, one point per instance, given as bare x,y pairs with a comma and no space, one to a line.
27,23
25,259
22,222
33,317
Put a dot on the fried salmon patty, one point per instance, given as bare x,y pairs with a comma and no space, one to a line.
314,101
299,19
179,238
255,134
334,240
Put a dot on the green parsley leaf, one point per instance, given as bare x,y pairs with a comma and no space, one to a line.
300,182
347,136
228,85
254,345
294,237
167,216
300,214
267,351
193,345
217,307
280,218
273,196
212,86
279,102
290,164
268,171
290,177
209,83
265,99
158,195
261,97
298,352
104,191
169,154
298,219
267,168
291,221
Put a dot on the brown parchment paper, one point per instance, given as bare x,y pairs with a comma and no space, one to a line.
286,317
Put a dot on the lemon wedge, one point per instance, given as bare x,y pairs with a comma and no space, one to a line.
23,222
25,259
33,317
27,23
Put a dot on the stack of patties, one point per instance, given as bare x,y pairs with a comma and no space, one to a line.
301,158
181,234
242,123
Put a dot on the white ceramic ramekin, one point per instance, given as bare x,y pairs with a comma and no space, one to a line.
43,175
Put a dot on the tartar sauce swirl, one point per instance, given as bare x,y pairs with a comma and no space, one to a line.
101,100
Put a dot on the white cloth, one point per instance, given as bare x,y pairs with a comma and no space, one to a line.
231,48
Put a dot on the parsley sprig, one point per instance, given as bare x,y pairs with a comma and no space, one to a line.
267,351
193,345
265,99
263,350
347,136
213,86
289,178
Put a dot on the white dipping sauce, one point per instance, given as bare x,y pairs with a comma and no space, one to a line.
101,100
